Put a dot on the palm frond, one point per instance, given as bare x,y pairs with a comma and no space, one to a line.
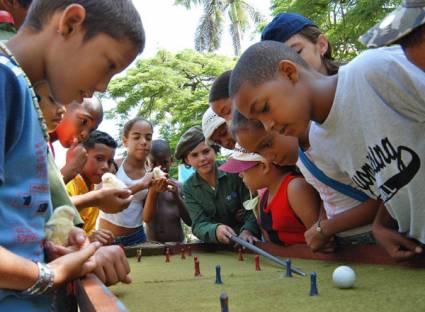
253,13
210,28
188,3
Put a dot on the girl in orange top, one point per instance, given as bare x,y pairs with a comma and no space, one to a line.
288,205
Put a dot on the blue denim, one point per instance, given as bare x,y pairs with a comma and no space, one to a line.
358,239
135,238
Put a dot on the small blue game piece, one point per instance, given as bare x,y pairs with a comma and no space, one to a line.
288,268
224,301
313,284
218,275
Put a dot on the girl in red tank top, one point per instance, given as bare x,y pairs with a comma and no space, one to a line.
288,204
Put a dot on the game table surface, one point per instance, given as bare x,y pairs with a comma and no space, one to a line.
161,286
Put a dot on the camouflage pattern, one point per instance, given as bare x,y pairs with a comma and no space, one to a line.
397,24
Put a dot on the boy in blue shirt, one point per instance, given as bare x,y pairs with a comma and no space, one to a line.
368,123
77,47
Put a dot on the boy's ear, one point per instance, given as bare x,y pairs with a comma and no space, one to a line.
71,18
265,167
288,69
323,44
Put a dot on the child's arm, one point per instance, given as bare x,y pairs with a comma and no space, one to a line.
76,157
203,226
175,190
385,232
143,184
17,273
304,201
156,187
107,200
359,215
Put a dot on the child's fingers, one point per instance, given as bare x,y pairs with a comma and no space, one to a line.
77,237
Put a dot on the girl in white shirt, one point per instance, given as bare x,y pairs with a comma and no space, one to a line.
127,225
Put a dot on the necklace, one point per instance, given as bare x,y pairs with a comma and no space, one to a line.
31,89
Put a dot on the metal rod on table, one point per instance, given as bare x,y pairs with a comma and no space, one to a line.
260,251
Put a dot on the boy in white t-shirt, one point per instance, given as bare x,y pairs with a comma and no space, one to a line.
370,120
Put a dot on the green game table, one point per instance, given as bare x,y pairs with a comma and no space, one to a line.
381,284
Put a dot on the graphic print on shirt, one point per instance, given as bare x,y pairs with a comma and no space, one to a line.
382,156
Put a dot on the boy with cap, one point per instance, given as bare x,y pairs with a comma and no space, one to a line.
61,42
213,198
273,84
404,26
216,131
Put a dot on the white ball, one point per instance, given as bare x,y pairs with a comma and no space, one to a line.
344,277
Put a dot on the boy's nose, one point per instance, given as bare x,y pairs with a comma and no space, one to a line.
102,85
268,124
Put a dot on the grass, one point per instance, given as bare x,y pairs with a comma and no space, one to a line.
159,286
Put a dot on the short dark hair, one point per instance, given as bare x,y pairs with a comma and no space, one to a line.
25,3
415,38
220,87
159,147
240,122
259,63
129,124
116,18
99,137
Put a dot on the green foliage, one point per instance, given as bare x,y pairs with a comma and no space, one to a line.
342,21
208,34
169,89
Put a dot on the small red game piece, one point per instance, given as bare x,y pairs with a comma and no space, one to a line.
240,254
257,263
189,251
182,253
195,258
167,255
197,269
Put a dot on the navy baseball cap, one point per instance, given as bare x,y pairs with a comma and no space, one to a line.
284,26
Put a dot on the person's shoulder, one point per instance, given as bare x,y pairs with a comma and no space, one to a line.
376,60
9,72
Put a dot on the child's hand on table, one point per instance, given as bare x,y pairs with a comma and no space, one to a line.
74,264
247,236
111,265
223,233
316,240
396,244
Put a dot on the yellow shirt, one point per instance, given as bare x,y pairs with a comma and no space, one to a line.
78,186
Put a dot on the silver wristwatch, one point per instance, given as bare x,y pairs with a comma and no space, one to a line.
44,283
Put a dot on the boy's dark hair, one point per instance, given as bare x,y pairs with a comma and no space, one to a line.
415,38
129,124
160,147
99,137
259,63
220,87
239,122
25,3
116,18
